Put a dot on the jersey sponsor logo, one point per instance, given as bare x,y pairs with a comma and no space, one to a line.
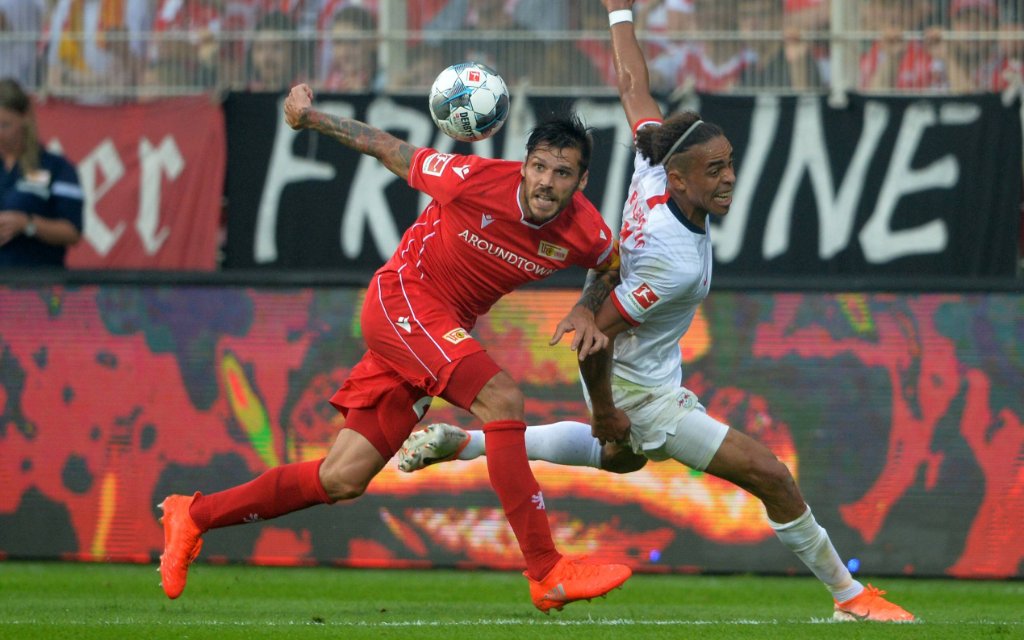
645,296
456,335
462,171
501,253
552,251
485,220
434,164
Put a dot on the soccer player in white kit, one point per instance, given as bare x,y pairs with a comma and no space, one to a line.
683,171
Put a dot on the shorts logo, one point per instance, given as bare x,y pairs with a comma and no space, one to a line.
434,164
456,335
645,296
552,251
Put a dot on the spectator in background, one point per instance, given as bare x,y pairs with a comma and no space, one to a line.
96,47
187,47
895,61
785,62
801,20
40,197
351,53
707,66
807,15
1011,48
972,64
271,60
21,22
517,54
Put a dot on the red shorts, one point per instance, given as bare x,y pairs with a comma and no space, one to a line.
416,350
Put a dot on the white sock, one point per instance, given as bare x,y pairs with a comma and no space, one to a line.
567,443
810,542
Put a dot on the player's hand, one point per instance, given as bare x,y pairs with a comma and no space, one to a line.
587,338
611,426
12,224
297,104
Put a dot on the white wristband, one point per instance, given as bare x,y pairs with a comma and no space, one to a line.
621,15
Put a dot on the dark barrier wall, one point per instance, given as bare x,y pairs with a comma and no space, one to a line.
900,414
887,187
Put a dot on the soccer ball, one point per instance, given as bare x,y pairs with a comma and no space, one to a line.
469,101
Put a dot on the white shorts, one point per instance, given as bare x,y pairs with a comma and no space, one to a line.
668,423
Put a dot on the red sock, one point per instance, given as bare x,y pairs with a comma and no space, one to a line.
280,490
517,490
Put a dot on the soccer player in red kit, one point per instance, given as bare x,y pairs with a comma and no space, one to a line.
492,226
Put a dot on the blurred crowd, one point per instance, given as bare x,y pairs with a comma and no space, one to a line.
139,48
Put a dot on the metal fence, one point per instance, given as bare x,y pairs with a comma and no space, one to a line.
102,50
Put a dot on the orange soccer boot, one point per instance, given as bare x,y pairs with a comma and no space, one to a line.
571,580
870,605
182,543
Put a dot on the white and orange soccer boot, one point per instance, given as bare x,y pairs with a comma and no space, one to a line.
437,443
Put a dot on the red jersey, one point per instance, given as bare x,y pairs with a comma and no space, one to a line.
473,242
916,68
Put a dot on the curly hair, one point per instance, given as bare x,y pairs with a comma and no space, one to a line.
655,142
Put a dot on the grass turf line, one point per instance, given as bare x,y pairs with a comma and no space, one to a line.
85,601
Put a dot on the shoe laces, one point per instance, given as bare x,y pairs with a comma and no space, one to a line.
873,591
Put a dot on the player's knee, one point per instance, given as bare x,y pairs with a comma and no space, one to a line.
775,482
339,487
500,399
621,460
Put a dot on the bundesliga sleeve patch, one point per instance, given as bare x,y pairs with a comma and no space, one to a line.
644,295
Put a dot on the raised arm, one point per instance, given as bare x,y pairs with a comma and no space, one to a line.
630,66
395,154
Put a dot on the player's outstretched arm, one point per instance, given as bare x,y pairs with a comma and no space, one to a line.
580,321
630,67
395,154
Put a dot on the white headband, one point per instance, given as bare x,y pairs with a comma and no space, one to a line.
675,145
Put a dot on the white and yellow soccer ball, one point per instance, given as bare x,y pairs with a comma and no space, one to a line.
469,101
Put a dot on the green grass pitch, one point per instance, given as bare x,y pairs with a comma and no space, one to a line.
84,601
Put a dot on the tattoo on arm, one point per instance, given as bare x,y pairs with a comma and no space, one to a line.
394,153
598,286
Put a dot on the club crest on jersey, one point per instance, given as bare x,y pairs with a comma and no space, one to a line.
456,335
552,251
645,296
434,164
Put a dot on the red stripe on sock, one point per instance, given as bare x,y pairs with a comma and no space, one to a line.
520,495
274,493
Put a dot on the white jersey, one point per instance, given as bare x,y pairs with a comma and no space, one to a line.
666,273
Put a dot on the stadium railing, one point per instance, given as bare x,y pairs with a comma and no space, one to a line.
715,47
